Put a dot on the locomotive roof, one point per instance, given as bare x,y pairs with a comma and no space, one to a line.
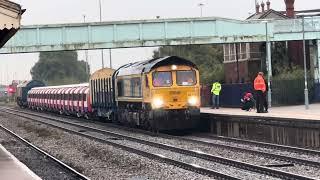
146,66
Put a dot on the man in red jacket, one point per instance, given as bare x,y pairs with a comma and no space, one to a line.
260,88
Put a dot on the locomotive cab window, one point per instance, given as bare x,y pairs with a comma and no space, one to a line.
162,79
120,88
147,81
186,78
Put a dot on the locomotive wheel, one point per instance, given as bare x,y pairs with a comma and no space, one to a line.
145,120
121,116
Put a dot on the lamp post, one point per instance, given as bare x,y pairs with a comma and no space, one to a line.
269,66
306,93
200,5
86,51
100,18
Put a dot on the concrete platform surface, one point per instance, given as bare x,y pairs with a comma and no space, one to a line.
292,112
11,168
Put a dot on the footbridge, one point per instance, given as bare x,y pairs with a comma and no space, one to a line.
158,32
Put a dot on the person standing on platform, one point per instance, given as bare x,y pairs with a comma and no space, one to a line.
265,97
215,90
260,88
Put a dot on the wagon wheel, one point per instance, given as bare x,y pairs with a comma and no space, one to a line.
114,118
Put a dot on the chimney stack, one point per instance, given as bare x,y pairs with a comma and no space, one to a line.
290,8
257,8
262,6
268,5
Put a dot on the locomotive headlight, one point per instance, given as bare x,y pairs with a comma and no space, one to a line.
157,103
174,67
193,100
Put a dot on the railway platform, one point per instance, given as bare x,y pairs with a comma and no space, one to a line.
287,125
11,168
280,113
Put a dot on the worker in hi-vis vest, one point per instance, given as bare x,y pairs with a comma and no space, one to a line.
215,90
259,85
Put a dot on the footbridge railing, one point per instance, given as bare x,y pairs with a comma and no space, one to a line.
158,32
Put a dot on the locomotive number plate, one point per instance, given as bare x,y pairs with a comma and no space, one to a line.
174,92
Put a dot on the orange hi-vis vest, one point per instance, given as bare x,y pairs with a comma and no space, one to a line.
259,84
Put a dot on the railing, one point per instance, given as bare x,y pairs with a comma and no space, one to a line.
282,95
242,56
296,25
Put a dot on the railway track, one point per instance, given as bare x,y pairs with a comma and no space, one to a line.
192,167
264,144
69,172
204,139
207,141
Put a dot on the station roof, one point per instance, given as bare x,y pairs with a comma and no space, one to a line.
10,18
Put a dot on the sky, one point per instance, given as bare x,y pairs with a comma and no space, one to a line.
18,66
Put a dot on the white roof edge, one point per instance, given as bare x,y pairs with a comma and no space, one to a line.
62,86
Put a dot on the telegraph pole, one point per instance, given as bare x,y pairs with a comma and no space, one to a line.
100,17
200,5
86,51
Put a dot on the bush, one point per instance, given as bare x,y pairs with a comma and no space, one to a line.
295,72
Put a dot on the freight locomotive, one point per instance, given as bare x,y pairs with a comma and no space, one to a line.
157,94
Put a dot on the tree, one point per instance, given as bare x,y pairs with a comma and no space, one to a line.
58,68
208,58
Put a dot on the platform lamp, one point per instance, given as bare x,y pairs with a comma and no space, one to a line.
306,93
269,65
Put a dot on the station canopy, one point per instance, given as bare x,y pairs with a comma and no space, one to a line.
10,19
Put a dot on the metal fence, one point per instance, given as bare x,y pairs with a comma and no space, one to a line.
291,92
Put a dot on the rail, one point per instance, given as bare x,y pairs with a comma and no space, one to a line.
242,165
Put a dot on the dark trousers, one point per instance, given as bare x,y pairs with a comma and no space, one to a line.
265,101
215,101
260,101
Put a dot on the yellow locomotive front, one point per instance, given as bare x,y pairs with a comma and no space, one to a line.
175,87
174,95
159,94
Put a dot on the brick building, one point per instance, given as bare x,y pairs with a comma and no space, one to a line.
243,60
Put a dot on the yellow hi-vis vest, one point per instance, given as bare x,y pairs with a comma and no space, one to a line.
216,88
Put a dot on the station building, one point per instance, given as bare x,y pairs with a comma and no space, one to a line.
243,60
10,19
